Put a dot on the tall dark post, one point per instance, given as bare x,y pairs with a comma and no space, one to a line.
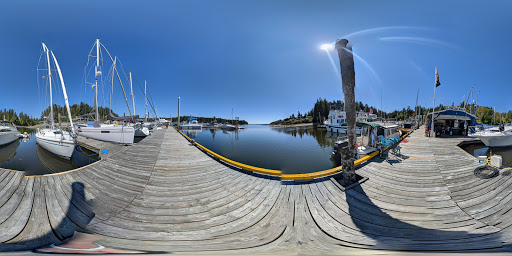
348,83
179,113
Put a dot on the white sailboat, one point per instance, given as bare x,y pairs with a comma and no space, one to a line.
232,126
106,132
140,129
54,139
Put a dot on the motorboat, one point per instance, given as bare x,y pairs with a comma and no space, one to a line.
8,133
500,136
191,124
374,137
228,127
213,124
54,139
337,120
141,130
122,134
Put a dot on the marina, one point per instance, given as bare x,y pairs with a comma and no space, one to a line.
301,128
401,195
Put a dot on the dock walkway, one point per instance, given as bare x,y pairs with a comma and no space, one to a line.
165,194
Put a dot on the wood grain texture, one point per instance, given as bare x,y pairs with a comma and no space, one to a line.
165,194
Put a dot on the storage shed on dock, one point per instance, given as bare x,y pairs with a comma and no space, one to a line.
451,120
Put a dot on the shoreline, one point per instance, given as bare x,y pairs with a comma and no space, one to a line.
292,125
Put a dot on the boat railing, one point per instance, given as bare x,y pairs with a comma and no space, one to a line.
476,128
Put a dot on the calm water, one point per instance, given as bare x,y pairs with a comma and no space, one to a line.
26,155
292,150
481,150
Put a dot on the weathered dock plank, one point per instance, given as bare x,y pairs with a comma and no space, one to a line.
165,194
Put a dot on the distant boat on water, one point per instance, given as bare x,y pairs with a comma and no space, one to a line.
191,124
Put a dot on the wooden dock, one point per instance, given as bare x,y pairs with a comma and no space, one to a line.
165,194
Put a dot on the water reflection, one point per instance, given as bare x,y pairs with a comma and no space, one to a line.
26,155
7,152
325,139
481,150
52,162
290,149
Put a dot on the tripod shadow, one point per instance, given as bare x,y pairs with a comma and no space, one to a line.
78,215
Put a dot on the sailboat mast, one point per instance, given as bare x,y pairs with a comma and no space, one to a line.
96,77
112,88
64,93
50,80
146,100
133,97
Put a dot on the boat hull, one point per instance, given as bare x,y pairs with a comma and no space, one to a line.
53,143
8,137
495,141
141,132
115,134
340,129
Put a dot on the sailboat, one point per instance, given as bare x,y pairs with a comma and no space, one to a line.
140,129
230,127
54,139
106,132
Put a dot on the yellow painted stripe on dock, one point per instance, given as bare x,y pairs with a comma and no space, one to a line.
235,163
302,176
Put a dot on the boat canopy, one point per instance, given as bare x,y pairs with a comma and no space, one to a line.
454,113
361,124
373,125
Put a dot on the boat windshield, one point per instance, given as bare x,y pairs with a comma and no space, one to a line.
6,124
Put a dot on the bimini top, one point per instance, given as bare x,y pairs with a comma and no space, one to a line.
374,125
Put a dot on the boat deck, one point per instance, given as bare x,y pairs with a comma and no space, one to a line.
165,194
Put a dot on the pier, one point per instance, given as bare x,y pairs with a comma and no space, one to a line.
166,194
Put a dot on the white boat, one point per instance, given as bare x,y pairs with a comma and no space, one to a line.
191,124
53,139
8,133
141,130
375,136
228,127
106,132
495,136
337,120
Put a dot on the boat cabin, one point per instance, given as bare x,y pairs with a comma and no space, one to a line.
450,121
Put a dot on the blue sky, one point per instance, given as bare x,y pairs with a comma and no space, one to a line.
262,58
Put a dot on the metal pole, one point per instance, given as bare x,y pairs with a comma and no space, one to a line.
179,113
433,108
96,77
145,100
133,97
